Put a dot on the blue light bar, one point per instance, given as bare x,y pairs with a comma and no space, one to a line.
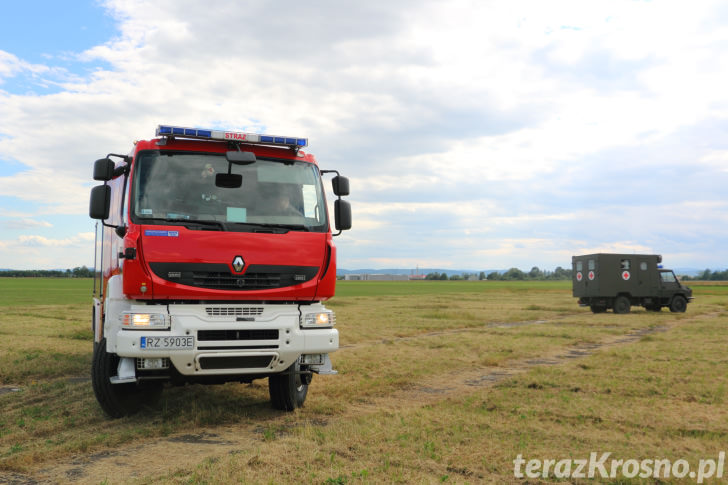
181,132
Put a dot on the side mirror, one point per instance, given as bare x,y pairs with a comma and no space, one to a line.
342,215
103,169
228,180
240,158
340,185
100,202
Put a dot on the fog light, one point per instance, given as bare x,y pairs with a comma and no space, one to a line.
154,321
158,363
319,320
312,359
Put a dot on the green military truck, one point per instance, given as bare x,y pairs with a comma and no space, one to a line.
618,281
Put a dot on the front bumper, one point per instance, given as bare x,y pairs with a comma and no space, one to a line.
229,339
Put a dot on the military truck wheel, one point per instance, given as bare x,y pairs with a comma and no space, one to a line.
288,389
679,304
118,400
622,304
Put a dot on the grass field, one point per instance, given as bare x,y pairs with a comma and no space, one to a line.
439,382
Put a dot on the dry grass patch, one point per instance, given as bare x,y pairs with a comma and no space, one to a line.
644,400
399,412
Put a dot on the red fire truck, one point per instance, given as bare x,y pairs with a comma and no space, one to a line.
215,254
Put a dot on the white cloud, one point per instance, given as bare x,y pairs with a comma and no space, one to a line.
23,223
485,132
56,193
716,160
79,240
11,66
39,252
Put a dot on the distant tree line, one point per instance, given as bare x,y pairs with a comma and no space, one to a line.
512,274
708,275
78,272
559,273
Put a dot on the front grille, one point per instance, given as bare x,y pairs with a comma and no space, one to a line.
219,277
235,362
234,335
228,281
233,311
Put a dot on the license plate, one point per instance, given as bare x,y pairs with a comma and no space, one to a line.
166,343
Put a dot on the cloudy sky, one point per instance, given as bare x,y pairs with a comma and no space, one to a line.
476,134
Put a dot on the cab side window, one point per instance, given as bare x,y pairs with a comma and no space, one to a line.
667,277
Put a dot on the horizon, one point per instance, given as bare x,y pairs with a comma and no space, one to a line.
691,271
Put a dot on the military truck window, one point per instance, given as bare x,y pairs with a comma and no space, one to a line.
578,265
667,277
591,264
626,263
643,266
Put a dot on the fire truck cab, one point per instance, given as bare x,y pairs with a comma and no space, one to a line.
214,256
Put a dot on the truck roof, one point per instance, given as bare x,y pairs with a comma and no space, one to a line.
214,146
618,255
226,135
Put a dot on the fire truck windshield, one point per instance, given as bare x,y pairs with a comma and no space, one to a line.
179,188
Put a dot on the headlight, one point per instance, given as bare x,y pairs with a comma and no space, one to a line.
152,321
319,320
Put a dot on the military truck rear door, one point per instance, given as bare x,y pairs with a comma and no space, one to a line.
578,278
649,280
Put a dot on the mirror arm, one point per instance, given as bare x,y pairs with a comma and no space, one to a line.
121,229
120,170
124,158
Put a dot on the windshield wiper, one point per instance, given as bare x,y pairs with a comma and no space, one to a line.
187,222
224,226
216,224
163,219
266,225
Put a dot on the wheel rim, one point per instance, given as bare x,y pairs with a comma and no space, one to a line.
621,305
679,304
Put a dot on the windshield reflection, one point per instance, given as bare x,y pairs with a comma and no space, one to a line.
180,188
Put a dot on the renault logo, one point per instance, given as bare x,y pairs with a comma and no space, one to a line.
238,264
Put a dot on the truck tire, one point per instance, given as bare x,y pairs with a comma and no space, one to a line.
287,389
598,308
118,400
678,304
622,304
